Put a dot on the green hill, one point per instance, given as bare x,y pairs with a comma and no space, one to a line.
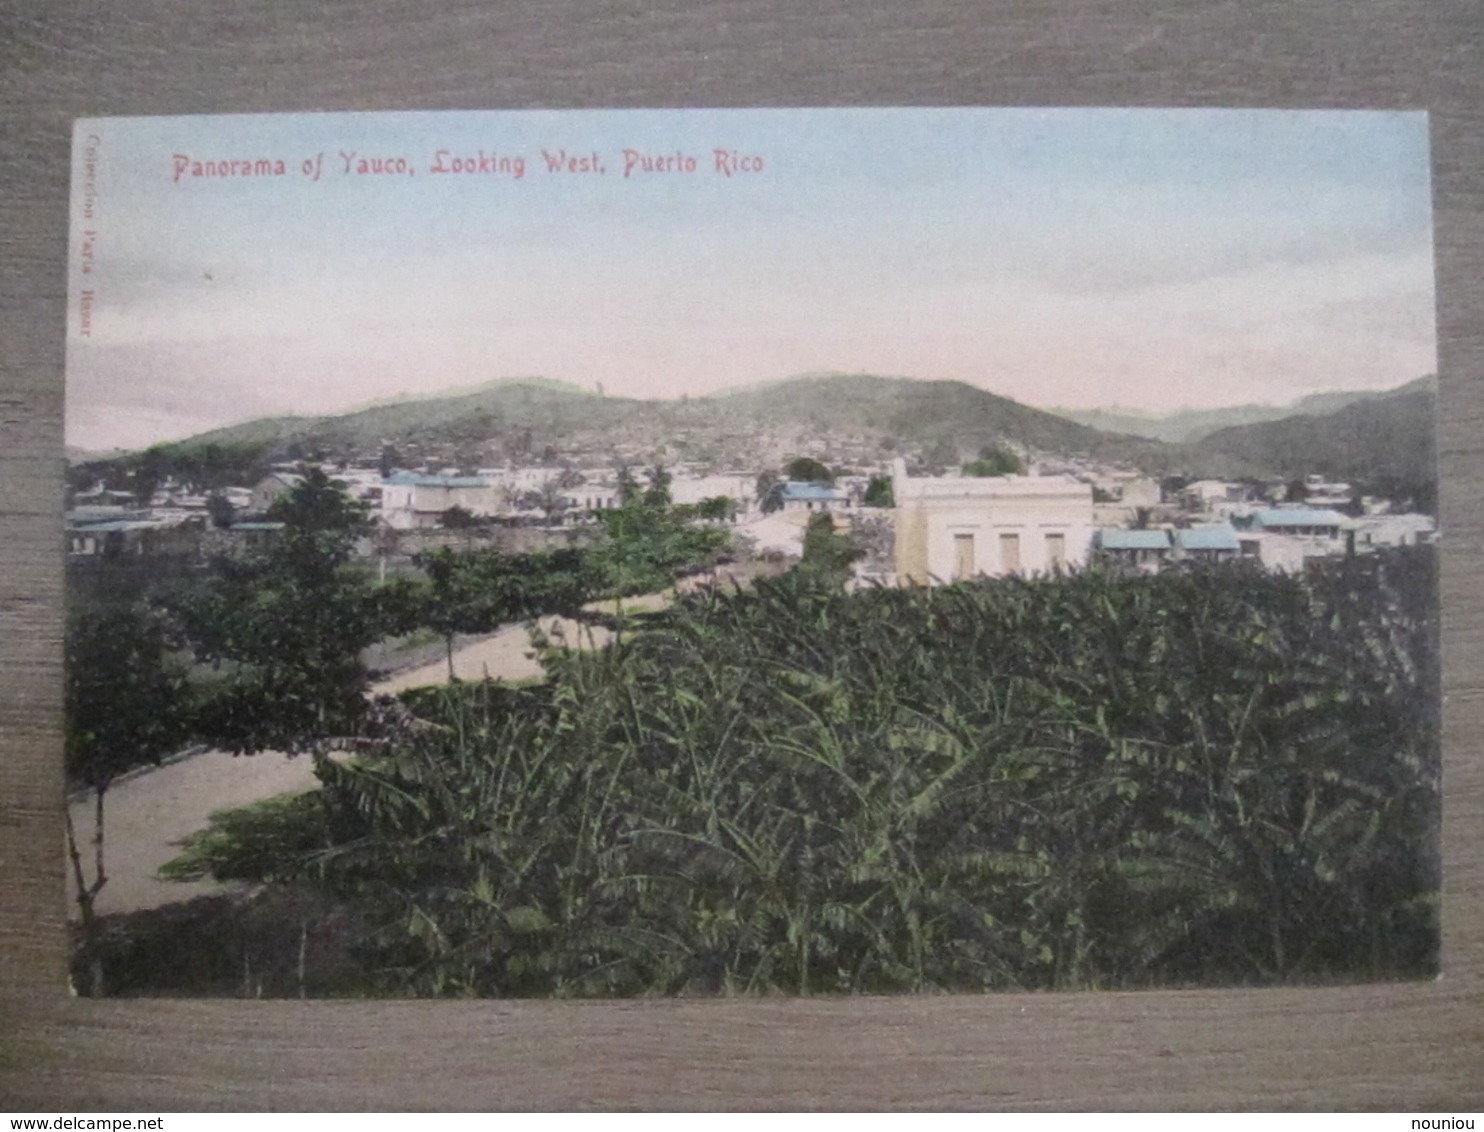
1189,425
1388,439
852,418
884,413
492,409
927,414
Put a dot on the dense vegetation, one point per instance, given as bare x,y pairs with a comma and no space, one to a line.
1090,781
198,466
266,650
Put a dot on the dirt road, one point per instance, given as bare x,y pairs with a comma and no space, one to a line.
146,816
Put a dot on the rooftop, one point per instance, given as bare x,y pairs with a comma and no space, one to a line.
794,489
989,487
1116,538
418,479
1280,517
1216,536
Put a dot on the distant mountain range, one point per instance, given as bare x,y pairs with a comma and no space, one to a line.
856,418
1192,424
1389,438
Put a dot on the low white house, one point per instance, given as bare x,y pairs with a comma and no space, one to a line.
592,496
960,527
410,500
804,497
270,488
1409,529
1278,553
1203,494
741,489
1207,542
1143,550
1321,531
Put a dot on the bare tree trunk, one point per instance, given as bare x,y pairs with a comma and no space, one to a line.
87,894
1280,962
303,947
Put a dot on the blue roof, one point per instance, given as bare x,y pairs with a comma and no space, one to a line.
90,516
417,479
1299,517
1115,538
1217,536
106,525
796,489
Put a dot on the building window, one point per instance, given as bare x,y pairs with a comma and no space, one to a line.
963,556
1010,553
1056,549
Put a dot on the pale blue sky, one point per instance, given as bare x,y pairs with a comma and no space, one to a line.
1077,257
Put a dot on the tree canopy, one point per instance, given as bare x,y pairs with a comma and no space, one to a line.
283,628
806,469
879,493
994,461
1215,775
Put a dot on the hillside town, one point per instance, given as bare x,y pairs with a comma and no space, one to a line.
1048,514
435,629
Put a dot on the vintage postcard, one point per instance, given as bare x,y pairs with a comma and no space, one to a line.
751,552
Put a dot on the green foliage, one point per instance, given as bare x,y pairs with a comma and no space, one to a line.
766,482
126,697
657,491
770,499
1092,780
994,462
220,508
805,469
198,466
127,705
648,545
716,509
828,554
879,493
480,591
284,629
320,519
255,843
457,519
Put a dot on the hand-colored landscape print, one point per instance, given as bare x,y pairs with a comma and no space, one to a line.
599,554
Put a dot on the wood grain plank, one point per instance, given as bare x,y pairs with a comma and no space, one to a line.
1413,1046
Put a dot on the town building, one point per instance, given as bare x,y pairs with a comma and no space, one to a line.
1211,542
1321,531
1278,553
1322,493
960,527
1409,529
115,531
740,489
270,488
1145,551
590,496
799,496
412,500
